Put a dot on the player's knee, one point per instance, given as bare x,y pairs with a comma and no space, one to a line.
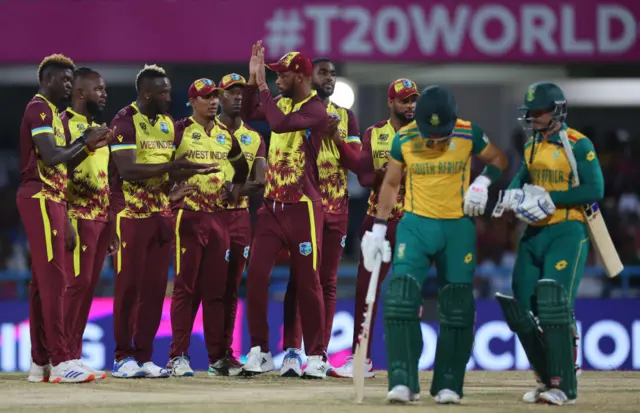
403,298
553,303
457,306
518,318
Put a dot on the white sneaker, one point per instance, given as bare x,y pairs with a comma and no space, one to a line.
533,396
153,371
39,374
346,370
70,372
127,369
100,375
292,363
180,367
402,394
556,397
316,368
258,362
446,396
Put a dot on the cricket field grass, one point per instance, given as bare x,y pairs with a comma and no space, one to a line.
490,392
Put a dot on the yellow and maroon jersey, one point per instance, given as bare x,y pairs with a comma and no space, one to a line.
296,136
252,146
37,179
334,162
376,145
153,141
88,183
217,146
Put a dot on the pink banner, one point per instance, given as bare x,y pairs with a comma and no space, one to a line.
373,30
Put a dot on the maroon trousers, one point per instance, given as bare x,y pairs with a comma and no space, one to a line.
202,256
362,283
45,222
83,269
334,235
238,222
142,270
297,227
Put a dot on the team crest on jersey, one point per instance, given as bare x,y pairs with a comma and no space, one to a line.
556,154
246,251
245,139
226,255
401,248
164,127
81,127
220,139
343,242
305,248
196,136
383,138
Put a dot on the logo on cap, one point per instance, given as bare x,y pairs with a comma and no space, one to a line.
200,83
531,94
435,120
287,58
398,86
408,84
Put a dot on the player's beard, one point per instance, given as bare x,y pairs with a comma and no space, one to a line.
322,93
402,117
93,108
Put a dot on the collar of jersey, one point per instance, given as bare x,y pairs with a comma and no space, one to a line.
54,107
554,138
223,126
80,116
156,119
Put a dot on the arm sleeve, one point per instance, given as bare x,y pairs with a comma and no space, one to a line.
178,134
349,155
262,150
366,174
353,129
310,115
126,138
250,109
591,188
479,139
40,118
235,152
521,178
396,149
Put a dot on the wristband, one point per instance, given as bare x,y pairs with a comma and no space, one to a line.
83,139
380,221
492,172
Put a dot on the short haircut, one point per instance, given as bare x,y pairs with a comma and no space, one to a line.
319,60
149,72
84,72
54,61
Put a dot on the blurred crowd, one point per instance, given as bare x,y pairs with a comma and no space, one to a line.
497,238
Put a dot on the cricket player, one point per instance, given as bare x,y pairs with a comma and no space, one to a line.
141,158
437,227
291,216
554,247
41,201
88,206
237,213
201,230
401,99
339,153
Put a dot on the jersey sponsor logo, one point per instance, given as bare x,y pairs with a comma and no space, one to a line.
43,116
561,265
156,145
196,136
383,137
245,139
305,248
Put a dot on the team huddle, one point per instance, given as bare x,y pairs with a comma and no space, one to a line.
148,189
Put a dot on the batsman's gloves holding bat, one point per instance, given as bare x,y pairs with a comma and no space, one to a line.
475,200
535,206
508,200
374,243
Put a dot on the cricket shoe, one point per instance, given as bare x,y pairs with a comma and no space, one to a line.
534,395
153,371
100,375
401,394
258,362
70,372
555,397
316,368
346,370
226,366
180,367
39,374
292,363
446,396
127,368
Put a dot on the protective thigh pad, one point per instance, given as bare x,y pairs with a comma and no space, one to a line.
402,331
456,311
521,322
556,320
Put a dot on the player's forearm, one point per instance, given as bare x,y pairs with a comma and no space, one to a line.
77,160
55,155
367,176
281,123
521,178
181,175
349,155
387,199
250,109
591,188
240,170
139,172
259,169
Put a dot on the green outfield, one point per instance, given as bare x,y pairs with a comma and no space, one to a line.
490,392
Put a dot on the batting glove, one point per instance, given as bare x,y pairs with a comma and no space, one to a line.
475,200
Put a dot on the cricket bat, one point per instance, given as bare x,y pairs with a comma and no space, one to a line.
595,222
363,339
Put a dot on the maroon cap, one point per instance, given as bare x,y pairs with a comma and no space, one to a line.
293,62
232,79
202,87
402,89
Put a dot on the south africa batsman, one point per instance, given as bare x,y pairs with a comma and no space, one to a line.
435,151
555,245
